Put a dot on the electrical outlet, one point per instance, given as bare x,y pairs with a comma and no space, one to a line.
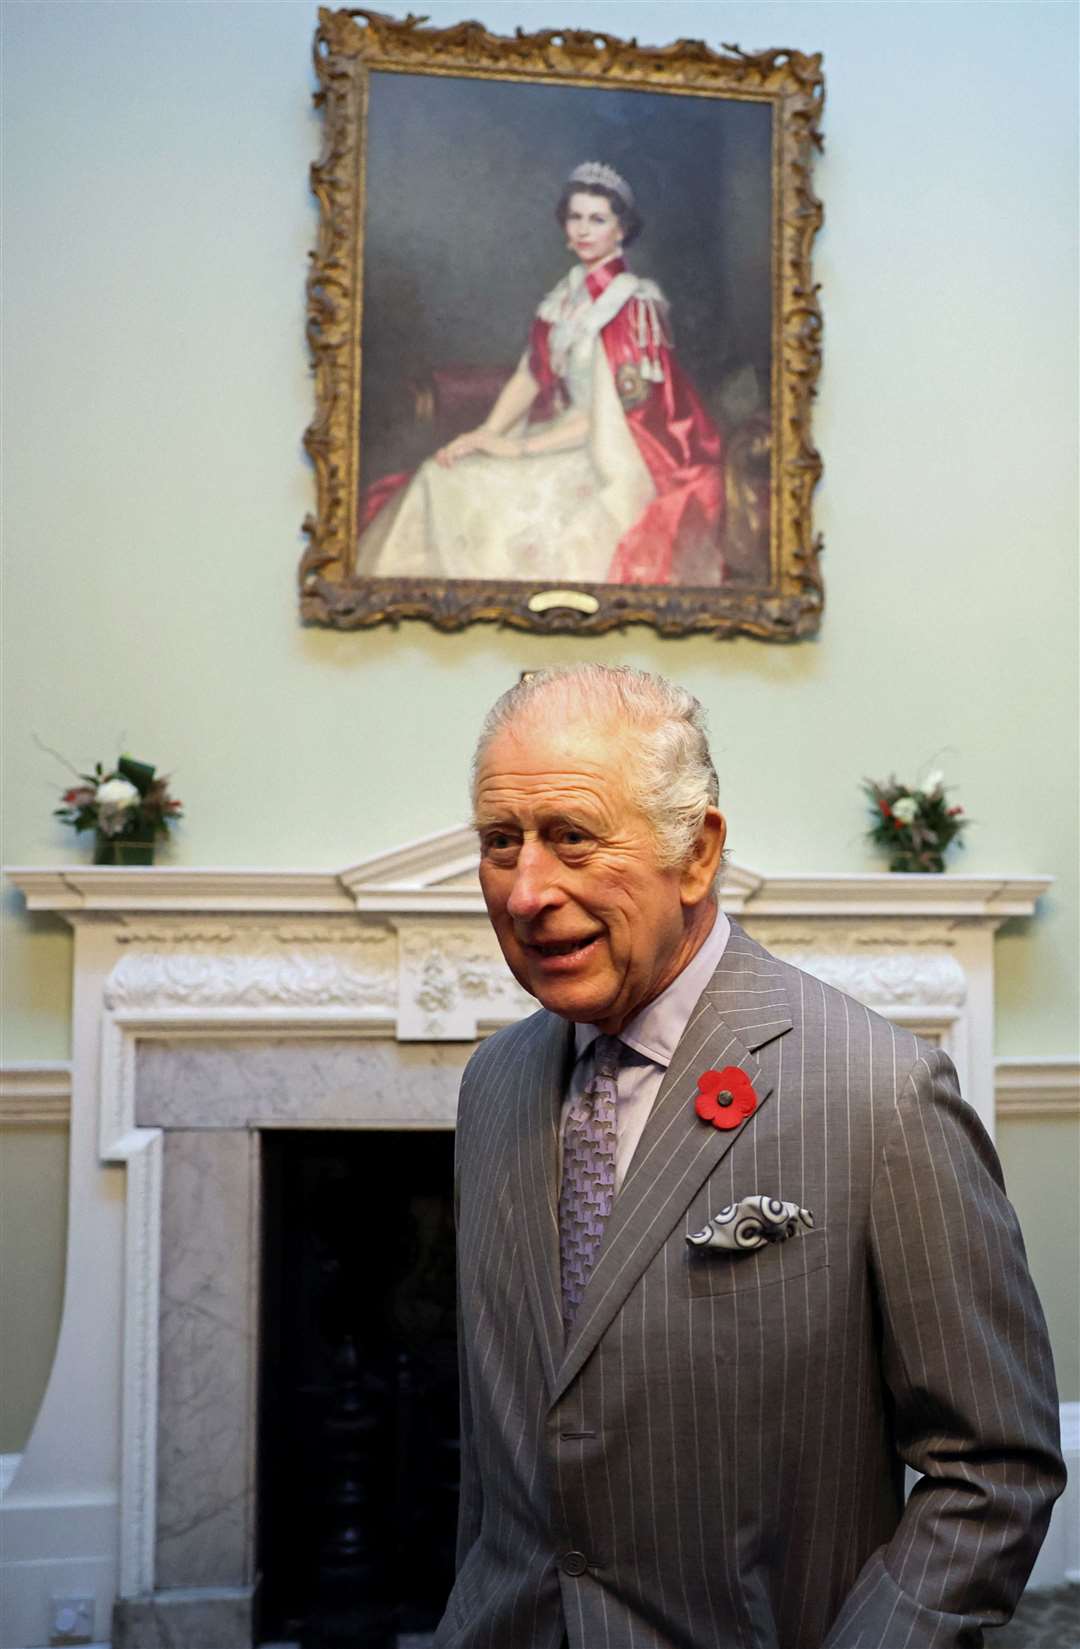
71,1620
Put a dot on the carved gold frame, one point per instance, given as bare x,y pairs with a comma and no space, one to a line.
348,46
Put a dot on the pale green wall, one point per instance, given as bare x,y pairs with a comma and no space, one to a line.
33,1227
1040,1160
157,223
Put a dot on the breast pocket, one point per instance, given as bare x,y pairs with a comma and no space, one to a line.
710,1272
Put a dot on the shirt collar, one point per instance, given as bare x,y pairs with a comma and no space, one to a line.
656,1030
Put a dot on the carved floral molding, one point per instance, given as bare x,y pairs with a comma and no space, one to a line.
245,965
899,963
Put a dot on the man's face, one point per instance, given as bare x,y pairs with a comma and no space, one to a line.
588,921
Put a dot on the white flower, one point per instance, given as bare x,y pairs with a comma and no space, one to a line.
904,810
932,782
114,798
119,793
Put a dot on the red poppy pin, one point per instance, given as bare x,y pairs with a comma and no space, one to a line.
725,1098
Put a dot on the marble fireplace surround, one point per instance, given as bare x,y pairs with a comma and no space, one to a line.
213,1004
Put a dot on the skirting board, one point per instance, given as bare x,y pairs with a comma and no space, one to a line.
37,1540
27,1583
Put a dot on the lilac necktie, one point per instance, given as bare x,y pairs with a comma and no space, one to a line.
588,1174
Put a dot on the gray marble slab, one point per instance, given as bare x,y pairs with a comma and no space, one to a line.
206,1432
211,1096
249,1082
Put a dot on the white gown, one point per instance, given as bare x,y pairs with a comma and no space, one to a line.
554,517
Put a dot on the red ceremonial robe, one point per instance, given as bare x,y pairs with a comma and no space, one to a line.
678,441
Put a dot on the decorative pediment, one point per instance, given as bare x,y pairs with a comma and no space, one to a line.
436,874
439,873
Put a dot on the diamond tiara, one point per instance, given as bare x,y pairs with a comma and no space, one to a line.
595,171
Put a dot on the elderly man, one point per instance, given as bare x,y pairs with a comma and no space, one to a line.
732,1249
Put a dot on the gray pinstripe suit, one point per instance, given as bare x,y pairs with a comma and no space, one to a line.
714,1458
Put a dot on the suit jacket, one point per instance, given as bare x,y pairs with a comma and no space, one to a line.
714,1459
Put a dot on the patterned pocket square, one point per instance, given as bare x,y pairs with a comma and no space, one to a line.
753,1223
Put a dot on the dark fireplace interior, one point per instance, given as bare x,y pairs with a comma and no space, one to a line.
358,1421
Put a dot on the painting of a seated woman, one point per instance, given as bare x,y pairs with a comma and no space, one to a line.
597,460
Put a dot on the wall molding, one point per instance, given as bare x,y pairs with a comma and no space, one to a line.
34,1094
37,1093
1041,1089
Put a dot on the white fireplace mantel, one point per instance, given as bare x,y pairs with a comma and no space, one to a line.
399,945
351,972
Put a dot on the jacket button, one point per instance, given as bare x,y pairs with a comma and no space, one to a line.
574,1563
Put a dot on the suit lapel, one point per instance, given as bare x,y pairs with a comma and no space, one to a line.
743,1008
544,1078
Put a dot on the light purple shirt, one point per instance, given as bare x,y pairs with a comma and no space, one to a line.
650,1039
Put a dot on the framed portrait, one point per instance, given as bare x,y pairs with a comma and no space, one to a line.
565,332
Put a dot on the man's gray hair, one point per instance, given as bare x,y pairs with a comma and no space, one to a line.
672,781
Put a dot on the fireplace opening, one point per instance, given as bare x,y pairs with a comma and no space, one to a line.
358,1412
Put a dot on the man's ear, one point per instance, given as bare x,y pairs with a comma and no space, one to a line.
699,871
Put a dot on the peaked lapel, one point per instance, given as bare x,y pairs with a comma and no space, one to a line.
743,1008
543,1072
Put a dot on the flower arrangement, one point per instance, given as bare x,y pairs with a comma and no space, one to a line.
914,822
126,808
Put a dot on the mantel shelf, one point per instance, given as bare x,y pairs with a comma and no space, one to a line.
437,877
72,890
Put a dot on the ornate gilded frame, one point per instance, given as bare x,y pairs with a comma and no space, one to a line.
349,47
